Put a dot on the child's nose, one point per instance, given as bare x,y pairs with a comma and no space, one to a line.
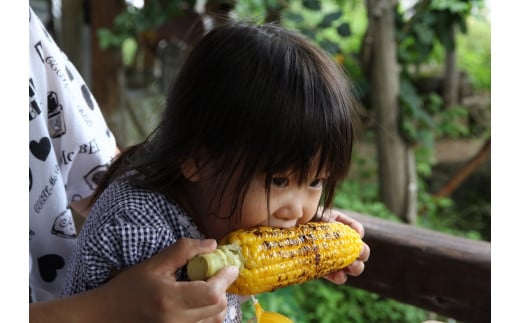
291,210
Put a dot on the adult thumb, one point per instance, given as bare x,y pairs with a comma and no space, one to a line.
177,255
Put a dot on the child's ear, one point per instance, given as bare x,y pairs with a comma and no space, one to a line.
192,167
191,170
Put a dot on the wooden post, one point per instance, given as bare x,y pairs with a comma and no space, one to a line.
72,39
383,72
107,66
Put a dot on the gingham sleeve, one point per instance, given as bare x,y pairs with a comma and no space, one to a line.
125,226
118,246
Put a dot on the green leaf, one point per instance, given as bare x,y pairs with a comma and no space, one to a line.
295,17
312,4
107,39
310,33
408,95
455,6
271,4
330,46
344,29
424,33
328,19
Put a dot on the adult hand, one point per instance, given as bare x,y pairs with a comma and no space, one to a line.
149,292
358,266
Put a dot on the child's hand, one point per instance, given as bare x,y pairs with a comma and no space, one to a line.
356,268
148,292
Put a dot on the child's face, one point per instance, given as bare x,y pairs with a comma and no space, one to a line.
290,203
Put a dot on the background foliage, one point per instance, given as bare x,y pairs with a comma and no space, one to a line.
423,37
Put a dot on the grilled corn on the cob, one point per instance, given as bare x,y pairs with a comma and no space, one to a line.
271,258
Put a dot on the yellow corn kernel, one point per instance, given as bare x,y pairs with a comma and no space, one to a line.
271,258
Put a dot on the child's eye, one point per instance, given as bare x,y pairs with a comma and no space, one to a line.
318,182
280,181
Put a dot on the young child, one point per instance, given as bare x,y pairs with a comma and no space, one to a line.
257,130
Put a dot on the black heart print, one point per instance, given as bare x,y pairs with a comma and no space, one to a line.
40,149
49,265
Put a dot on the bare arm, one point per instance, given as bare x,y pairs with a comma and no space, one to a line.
75,309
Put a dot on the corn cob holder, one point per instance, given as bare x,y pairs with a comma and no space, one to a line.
271,258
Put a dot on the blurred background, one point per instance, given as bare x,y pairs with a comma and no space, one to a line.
422,73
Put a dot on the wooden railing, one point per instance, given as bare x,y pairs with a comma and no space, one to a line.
438,272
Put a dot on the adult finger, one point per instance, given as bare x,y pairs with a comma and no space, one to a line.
223,279
207,293
206,300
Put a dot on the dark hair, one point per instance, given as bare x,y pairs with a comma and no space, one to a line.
253,98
